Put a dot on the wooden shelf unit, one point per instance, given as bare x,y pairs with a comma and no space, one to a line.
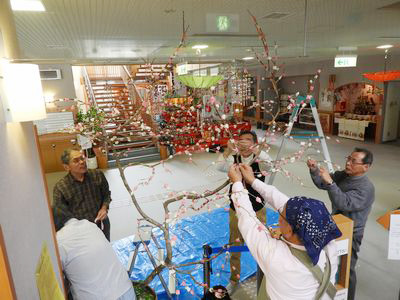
52,146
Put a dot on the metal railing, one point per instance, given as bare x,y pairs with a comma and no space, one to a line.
134,92
89,87
93,101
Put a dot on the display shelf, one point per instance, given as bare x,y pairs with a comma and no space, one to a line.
205,135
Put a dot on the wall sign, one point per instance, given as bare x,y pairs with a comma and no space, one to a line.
345,61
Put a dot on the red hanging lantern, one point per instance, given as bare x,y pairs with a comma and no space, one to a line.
382,76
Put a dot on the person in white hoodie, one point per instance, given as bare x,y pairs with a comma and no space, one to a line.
301,262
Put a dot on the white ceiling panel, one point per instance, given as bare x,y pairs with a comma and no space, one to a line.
131,30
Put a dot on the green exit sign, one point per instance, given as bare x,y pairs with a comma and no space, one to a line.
345,61
223,23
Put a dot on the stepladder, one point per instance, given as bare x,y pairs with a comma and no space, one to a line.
300,103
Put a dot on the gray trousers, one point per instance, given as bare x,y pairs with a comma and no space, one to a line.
354,257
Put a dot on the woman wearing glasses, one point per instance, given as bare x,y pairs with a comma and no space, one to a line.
301,263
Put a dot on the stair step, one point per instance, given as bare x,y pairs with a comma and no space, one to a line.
132,138
136,144
137,130
106,80
123,101
110,84
137,152
109,127
126,110
112,96
143,159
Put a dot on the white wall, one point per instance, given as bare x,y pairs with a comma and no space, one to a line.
78,86
61,88
24,213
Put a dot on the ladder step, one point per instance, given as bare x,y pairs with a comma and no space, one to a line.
306,137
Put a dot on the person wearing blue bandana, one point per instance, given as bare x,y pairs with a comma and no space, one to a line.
299,263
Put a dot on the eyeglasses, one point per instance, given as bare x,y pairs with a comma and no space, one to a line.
76,160
353,161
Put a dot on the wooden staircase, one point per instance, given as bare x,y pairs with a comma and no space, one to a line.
112,96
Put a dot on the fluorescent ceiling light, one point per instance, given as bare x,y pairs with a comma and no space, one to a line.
347,48
200,47
27,5
248,58
384,46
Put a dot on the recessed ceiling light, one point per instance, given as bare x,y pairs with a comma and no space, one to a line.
248,58
347,48
384,46
200,47
27,5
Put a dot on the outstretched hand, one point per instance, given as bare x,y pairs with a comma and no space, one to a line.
312,164
247,173
234,173
325,176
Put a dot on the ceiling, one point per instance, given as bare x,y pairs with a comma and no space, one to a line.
131,31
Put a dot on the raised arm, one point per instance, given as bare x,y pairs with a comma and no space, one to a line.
256,236
315,175
269,193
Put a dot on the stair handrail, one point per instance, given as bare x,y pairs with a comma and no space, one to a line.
133,82
151,121
93,101
89,87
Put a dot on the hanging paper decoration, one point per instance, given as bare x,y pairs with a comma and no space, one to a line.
200,82
382,76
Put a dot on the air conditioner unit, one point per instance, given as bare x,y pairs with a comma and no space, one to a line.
50,74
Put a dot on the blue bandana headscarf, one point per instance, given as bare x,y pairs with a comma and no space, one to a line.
312,222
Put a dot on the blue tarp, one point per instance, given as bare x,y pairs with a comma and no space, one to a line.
192,233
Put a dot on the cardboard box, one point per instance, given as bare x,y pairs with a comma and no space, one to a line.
346,227
385,219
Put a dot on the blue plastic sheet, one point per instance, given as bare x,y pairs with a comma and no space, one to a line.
192,233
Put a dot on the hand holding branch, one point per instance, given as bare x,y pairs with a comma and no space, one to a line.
247,173
234,173
325,176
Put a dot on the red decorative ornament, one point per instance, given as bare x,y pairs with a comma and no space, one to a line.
208,108
382,76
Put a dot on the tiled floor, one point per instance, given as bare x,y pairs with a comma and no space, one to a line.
378,278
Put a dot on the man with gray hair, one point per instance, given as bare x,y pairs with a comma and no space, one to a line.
83,193
352,194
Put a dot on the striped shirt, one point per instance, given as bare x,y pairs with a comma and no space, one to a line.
82,200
